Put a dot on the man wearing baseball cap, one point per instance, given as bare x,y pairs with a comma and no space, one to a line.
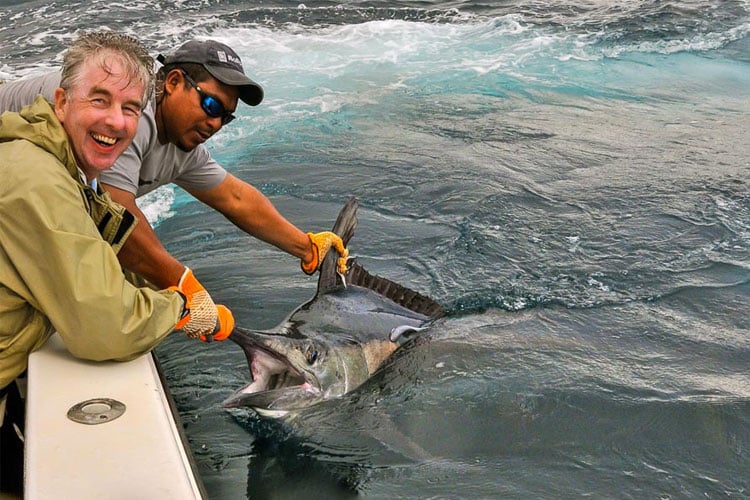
222,63
197,91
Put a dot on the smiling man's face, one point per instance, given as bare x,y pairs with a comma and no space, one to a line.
100,115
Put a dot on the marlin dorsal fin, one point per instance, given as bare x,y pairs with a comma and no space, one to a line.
345,224
329,281
414,301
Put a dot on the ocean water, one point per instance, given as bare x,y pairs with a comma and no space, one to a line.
571,179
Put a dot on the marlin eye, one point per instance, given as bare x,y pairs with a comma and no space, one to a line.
312,355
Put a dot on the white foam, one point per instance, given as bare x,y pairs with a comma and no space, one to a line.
157,205
325,69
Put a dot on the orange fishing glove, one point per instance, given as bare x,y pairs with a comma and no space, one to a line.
201,318
321,243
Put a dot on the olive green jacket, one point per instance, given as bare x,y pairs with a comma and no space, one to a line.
57,271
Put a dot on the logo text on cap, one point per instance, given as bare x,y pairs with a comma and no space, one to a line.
224,57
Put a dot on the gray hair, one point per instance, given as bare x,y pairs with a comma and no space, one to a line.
101,47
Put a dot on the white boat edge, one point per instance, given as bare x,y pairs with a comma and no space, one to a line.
141,454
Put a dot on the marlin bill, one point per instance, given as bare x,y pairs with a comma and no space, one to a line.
333,343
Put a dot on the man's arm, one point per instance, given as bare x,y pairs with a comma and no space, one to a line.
142,252
70,274
251,211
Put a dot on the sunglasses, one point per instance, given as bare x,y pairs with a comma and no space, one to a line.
210,104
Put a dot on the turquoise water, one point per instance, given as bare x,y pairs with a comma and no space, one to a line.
569,178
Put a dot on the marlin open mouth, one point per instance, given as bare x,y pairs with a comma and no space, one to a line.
276,386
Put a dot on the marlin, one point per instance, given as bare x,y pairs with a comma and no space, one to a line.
332,344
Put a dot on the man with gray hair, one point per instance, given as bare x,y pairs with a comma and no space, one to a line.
60,233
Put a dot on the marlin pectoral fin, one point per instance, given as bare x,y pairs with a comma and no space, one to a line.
403,333
278,399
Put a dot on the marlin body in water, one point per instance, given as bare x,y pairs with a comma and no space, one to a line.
333,343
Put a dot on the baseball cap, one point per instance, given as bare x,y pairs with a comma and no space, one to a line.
222,62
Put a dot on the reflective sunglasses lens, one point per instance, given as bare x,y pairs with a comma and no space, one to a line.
212,107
